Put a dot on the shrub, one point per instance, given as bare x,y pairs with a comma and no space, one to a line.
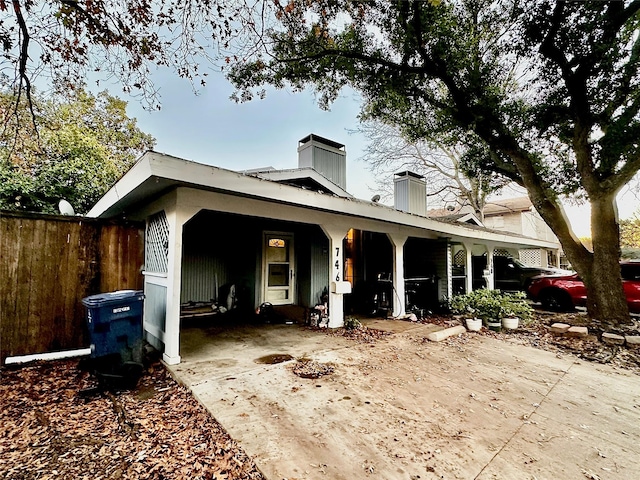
491,304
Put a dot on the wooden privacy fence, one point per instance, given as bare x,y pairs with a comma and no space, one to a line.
48,264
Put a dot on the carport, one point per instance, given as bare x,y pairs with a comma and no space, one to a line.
277,242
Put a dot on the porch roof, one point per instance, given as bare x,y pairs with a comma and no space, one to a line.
156,174
305,177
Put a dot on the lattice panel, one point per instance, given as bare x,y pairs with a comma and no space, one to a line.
499,252
156,253
531,257
460,258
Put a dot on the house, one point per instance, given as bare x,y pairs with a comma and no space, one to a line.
515,215
289,237
518,215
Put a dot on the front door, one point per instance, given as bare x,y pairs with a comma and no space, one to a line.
278,268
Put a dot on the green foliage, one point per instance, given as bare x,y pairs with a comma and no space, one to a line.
352,323
84,143
630,232
491,304
630,253
543,93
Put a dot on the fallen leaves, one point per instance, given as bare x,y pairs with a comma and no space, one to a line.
307,368
536,334
158,430
361,334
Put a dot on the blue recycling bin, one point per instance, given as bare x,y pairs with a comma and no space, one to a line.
114,320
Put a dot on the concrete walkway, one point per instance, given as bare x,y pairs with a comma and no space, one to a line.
405,408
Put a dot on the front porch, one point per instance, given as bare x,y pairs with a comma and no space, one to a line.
284,244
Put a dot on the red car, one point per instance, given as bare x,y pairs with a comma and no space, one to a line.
567,291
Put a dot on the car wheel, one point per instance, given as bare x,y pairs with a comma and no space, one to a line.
556,300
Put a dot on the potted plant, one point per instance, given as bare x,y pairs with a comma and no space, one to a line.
495,308
516,310
490,308
465,306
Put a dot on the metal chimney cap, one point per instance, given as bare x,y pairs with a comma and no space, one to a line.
312,136
408,173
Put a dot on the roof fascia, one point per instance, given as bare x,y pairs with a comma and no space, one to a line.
207,177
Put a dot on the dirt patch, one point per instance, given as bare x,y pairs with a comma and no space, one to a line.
362,334
274,358
536,334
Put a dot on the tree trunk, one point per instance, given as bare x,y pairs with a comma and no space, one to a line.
605,300
600,270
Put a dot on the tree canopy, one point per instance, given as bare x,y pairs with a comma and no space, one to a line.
84,143
630,232
58,43
545,93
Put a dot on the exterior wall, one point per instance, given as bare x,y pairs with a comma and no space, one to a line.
203,273
221,249
511,222
528,223
319,266
441,256
541,229
155,307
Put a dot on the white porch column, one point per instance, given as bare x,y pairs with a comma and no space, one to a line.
336,235
176,218
398,241
491,274
468,248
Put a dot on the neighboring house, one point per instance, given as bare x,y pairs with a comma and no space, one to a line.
515,215
289,237
518,215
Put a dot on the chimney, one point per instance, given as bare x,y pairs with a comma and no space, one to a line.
327,157
410,193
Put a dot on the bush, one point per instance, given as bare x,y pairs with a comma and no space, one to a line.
491,304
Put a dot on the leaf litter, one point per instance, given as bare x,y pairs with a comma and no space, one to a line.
50,430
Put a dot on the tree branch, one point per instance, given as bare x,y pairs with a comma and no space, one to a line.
22,66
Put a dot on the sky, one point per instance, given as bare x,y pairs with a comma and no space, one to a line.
212,129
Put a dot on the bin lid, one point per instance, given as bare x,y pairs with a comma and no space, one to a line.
119,296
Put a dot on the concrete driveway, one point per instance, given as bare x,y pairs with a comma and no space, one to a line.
405,408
